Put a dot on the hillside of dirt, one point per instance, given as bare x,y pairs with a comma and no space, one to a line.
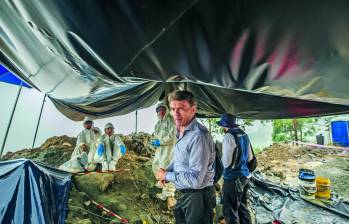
53,152
129,192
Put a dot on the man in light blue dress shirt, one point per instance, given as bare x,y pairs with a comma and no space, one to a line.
192,169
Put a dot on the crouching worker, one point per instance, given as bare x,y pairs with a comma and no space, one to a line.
86,144
110,149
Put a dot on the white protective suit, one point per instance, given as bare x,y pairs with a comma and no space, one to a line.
81,160
165,131
111,153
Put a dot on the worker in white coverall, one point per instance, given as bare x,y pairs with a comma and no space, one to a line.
110,149
164,140
86,144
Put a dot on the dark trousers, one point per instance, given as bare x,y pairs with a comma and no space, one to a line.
195,207
235,208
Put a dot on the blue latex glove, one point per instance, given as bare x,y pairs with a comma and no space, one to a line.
155,142
123,149
100,149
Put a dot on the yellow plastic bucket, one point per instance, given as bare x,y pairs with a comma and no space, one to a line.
323,187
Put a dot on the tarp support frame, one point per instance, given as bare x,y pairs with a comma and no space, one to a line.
136,121
38,123
9,123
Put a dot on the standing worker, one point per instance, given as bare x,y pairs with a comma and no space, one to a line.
110,149
236,154
165,138
192,169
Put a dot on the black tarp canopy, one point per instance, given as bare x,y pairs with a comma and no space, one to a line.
258,59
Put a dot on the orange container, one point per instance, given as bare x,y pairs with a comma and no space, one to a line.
323,187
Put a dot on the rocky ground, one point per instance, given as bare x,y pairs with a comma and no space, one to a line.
54,152
130,192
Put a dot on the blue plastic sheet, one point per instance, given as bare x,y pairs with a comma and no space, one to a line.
8,77
32,193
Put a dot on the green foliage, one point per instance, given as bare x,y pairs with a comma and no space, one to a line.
249,122
216,130
287,130
282,130
213,127
257,150
245,122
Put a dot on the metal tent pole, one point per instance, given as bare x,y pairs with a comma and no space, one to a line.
37,125
9,123
136,120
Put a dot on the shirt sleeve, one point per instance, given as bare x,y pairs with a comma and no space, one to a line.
198,165
81,139
170,167
250,154
169,133
170,175
101,140
118,141
228,147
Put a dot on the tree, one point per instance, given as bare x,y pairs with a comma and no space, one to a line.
245,122
213,127
216,130
287,130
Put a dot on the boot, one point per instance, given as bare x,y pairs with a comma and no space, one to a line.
105,166
112,165
91,167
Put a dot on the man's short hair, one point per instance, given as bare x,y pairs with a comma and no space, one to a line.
182,95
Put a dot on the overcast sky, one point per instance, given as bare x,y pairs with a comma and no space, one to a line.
53,123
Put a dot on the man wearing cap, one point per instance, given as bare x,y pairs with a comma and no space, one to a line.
86,144
236,153
192,169
165,138
110,149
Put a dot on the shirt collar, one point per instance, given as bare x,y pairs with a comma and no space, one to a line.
190,127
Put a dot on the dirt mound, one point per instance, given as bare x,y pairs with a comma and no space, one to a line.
129,192
285,152
139,143
58,149
63,141
54,152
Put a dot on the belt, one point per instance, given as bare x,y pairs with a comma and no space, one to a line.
186,191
